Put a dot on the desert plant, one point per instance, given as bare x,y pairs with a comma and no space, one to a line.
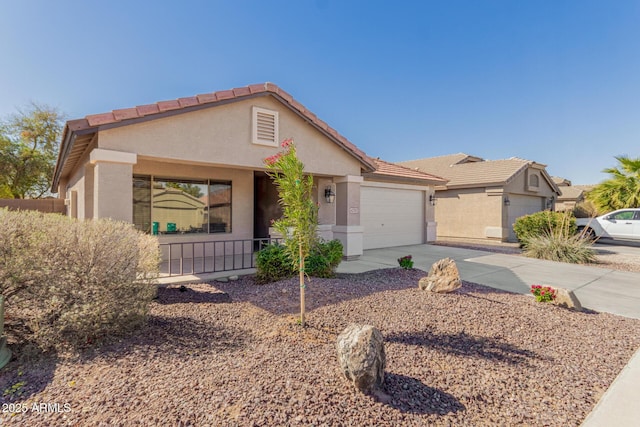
72,283
561,247
542,223
406,262
621,190
543,293
299,220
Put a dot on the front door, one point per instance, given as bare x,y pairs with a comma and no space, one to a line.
266,206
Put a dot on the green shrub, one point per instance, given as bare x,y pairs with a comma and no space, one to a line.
543,223
71,283
324,259
273,264
561,247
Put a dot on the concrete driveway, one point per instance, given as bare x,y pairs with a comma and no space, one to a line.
599,289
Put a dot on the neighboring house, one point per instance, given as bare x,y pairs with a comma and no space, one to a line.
569,195
191,170
483,198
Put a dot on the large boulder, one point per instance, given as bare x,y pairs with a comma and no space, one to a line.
443,277
362,357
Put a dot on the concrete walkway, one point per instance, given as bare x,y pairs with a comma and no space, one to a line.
596,288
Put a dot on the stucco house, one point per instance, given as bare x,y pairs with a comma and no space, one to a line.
483,198
570,195
191,170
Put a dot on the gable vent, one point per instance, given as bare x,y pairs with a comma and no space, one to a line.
265,127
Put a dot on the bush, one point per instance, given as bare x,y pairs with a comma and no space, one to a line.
71,283
406,262
543,223
273,264
560,246
324,259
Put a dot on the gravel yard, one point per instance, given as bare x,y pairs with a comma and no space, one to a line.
232,354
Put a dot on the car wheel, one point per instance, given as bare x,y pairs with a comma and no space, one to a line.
587,233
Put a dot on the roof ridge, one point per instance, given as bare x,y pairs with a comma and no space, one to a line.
438,157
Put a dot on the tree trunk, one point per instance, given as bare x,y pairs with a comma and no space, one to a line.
302,286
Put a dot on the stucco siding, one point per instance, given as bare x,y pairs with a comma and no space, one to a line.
221,136
467,213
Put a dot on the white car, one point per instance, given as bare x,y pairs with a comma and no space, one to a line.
622,224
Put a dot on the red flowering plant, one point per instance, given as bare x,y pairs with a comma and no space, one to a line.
299,220
543,293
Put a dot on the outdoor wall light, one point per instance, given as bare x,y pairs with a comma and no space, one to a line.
329,195
432,199
507,202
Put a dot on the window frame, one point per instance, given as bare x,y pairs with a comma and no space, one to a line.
207,182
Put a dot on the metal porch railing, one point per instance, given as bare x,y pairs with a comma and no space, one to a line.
182,258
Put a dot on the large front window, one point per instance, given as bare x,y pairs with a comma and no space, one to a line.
179,206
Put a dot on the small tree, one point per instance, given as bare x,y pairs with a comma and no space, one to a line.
620,191
299,220
28,150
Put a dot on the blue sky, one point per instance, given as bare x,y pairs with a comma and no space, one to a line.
555,81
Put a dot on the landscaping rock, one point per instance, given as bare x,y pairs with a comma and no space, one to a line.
443,277
233,278
565,298
362,357
222,279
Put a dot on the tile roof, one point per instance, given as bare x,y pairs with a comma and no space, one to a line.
569,192
464,170
386,169
125,116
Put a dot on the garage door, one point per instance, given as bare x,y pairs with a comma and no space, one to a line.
391,217
520,206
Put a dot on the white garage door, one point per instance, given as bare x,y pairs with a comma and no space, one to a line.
520,206
391,217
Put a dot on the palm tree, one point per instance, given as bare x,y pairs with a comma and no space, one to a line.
620,191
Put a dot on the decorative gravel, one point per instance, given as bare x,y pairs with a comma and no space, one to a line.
232,354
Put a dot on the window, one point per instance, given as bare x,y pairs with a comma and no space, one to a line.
622,216
178,206
264,127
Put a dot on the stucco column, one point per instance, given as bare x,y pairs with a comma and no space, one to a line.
348,229
430,215
112,184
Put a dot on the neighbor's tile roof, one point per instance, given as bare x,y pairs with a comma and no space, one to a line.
385,169
125,116
570,193
464,170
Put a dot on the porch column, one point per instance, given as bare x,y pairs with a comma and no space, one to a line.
112,184
348,229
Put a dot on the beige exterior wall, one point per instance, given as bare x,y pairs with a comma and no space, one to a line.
466,213
221,136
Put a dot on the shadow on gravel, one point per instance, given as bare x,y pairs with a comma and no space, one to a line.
412,396
29,372
463,344
184,294
175,337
